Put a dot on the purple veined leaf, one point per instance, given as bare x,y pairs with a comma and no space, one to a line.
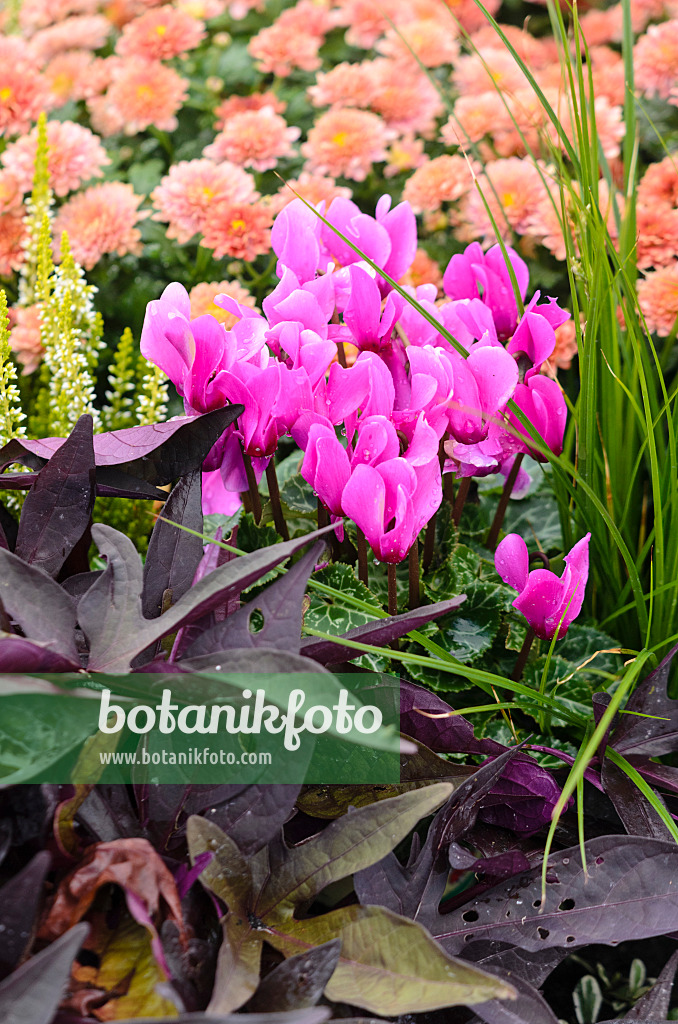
253,817
523,798
162,808
450,734
111,482
529,1008
110,614
158,453
19,903
654,1005
534,967
378,633
58,508
107,814
649,736
280,605
174,554
663,775
31,994
416,889
492,869
8,529
20,655
78,585
637,814
313,1015
45,613
298,982
629,893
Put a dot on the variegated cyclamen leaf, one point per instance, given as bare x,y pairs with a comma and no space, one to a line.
389,964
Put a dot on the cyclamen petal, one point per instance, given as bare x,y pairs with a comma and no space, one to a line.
512,561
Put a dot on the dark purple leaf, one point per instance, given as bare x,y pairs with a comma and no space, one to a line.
173,554
523,798
158,453
78,585
111,482
520,963
663,775
529,1008
20,655
629,893
415,889
254,816
449,734
298,982
378,633
58,508
31,994
649,736
8,529
111,618
44,611
654,1005
107,814
313,1015
490,870
19,902
280,605
637,814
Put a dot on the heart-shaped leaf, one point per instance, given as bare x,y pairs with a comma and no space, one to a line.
44,611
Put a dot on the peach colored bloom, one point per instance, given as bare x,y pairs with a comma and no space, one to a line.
186,196
655,59
609,76
476,74
202,300
477,116
657,227
74,155
240,8
469,15
659,184
24,338
512,193
427,41
278,50
658,298
11,196
254,138
239,230
237,104
545,221
405,154
344,85
35,14
160,34
404,97
536,53
367,21
444,179
12,233
23,91
67,76
142,93
314,188
101,220
81,32
564,352
346,143
205,10
423,270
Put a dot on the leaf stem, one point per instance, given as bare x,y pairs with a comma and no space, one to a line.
429,542
493,535
255,497
460,500
517,673
363,573
413,571
392,590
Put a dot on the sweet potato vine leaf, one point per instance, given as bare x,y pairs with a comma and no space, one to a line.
32,993
388,964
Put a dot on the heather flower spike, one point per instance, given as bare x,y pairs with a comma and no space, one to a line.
550,603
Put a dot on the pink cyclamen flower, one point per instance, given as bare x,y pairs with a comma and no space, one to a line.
474,272
550,603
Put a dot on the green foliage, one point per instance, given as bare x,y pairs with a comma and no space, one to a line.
119,412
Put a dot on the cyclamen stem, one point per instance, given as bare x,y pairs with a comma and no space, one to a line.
341,354
517,673
392,590
429,542
323,517
276,505
255,497
413,567
493,535
363,574
460,501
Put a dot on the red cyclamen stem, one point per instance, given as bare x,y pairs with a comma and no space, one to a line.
276,504
493,535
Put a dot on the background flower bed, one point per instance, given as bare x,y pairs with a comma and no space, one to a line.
193,110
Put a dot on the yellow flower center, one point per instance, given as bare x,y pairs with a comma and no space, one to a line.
144,92
340,138
5,94
207,192
508,199
161,29
238,225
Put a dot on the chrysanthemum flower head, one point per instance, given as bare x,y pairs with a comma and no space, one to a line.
445,179
12,238
188,193
160,34
239,230
367,21
24,338
469,15
423,270
80,32
238,104
314,188
102,219
655,59
344,85
36,14
658,297
74,155
24,93
496,67
11,195
657,230
254,138
426,41
405,154
67,76
659,184
142,93
345,143
512,193
202,300
404,97
279,49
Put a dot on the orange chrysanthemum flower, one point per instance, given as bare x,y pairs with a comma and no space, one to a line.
186,196
239,230
160,34
442,180
12,237
254,138
202,300
101,220
24,93
24,338
658,297
346,143
142,93
655,59
81,32
74,155
238,104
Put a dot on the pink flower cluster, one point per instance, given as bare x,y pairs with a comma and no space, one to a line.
374,433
